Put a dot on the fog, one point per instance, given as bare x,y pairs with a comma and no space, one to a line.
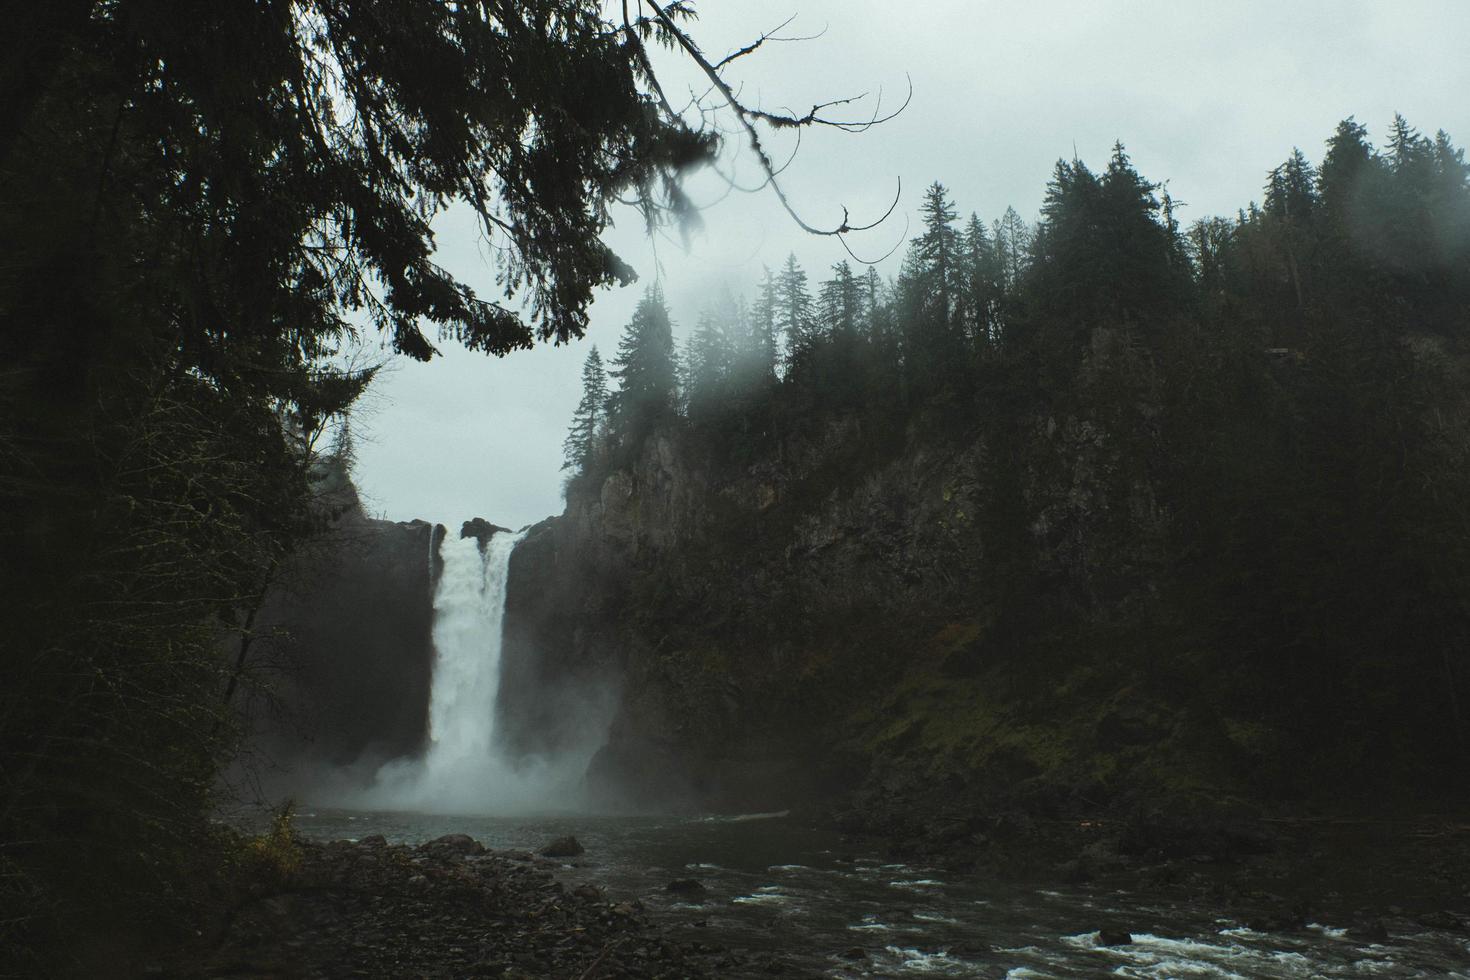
1206,97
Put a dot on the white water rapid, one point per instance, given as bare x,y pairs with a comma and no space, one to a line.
463,770
469,619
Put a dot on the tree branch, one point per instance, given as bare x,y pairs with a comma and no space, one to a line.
747,118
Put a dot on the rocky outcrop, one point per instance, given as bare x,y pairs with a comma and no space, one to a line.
481,530
763,620
343,645
345,636
753,621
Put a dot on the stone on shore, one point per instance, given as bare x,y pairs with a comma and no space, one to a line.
567,846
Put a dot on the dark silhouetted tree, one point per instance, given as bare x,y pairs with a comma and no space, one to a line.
983,286
590,418
1012,240
931,283
793,315
1103,256
765,331
840,304
646,366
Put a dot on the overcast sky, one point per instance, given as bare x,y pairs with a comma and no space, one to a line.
1207,96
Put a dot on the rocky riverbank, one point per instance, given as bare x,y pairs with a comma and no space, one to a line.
446,908
777,898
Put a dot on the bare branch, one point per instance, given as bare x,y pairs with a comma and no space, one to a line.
897,243
897,193
747,119
812,118
770,35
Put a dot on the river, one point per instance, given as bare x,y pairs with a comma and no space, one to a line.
774,885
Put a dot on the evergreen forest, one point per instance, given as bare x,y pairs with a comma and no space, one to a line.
1099,513
1223,462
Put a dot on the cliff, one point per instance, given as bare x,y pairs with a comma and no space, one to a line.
1111,592
848,612
343,653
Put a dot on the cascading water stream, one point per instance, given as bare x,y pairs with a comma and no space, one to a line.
469,619
463,770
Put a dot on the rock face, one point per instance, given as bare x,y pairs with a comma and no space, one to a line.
347,630
770,617
559,671
481,530
653,585
762,620
805,613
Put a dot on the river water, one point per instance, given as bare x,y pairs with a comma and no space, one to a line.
777,886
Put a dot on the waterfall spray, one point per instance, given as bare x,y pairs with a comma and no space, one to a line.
463,770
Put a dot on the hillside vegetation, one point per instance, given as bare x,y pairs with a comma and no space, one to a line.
1104,511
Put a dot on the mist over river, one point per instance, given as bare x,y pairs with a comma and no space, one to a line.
825,908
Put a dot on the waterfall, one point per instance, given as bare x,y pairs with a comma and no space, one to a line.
469,619
463,771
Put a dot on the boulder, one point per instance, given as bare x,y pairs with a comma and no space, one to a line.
515,855
453,844
1114,937
563,847
686,888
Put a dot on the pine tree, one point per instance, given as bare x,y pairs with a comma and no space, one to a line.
938,249
793,313
930,280
1104,254
646,366
590,417
1012,243
1291,207
710,358
740,328
1291,191
980,309
840,301
1450,208
877,312
1350,168
732,320
1408,151
765,331
879,355
1142,249
1450,165
1208,242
